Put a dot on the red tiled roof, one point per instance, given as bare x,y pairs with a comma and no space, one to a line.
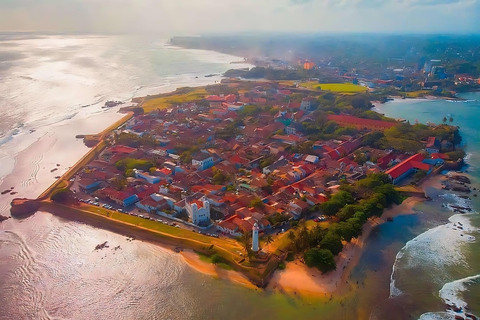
432,142
121,149
294,105
360,121
289,137
231,98
440,156
414,161
215,98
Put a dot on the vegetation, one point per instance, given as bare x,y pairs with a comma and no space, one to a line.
179,96
130,164
322,259
334,87
134,141
61,195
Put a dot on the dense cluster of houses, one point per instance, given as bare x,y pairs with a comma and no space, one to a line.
246,179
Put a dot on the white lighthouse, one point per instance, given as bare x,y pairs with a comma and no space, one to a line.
255,238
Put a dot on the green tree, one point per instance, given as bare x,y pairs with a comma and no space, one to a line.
332,242
118,182
268,239
216,259
61,195
186,157
322,259
257,203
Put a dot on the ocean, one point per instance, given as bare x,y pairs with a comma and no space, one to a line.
53,88
441,264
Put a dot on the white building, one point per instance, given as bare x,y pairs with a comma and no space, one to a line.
255,247
198,210
290,130
203,160
306,104
139,174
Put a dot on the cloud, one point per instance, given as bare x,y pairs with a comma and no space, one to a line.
199,16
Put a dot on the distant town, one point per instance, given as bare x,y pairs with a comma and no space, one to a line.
253,173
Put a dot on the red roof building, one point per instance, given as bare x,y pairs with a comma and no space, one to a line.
121,149
360,123
407,167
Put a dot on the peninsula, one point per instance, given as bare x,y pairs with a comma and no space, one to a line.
251,174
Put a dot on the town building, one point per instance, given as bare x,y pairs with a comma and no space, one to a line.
202,160
198,210
361,123
433,145
408,167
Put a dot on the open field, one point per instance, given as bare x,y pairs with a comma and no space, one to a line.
179,96
334,87
417,94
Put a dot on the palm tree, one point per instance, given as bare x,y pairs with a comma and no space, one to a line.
291,235
451,119
268,239
444,120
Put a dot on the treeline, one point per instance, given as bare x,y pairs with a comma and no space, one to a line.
134,141
272,74
410,138
352,205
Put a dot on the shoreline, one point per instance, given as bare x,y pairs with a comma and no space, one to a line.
300,280
192,259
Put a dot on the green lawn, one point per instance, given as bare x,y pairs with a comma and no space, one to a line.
168,99
334,87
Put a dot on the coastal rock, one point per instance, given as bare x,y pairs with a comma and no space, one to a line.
460,188
462,179
22,208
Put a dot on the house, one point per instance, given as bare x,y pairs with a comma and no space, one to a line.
150,204
275,165
433,145
122,198
408,167
290,139
229,227
299,204
139,174
306,103
198,210
311,159
88,184
202,160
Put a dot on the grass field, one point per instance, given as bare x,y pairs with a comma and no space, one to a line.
417,94
178,97
334,87
228,244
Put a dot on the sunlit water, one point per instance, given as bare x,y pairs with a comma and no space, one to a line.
52,88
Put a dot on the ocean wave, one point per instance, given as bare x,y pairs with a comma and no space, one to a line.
450,292
436,316
462,101
437,247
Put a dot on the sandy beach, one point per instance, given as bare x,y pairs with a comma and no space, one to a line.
193,260
300,280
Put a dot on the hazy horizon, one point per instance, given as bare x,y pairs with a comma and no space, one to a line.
184,17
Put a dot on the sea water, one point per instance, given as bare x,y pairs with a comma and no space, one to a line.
53,87
442,262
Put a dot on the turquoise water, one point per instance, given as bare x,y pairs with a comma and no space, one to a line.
441,264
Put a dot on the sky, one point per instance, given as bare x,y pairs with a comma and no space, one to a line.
191,17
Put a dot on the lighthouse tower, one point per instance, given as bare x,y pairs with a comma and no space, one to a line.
255,238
